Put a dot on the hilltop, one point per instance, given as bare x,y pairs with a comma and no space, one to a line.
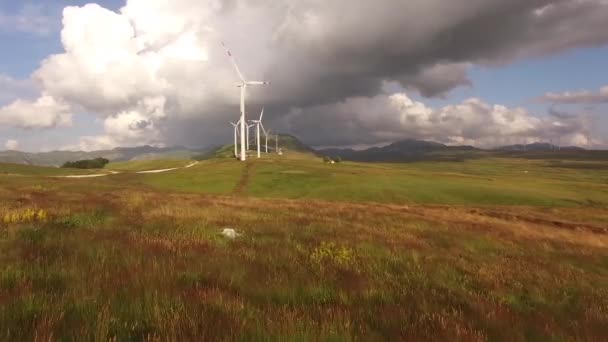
287,144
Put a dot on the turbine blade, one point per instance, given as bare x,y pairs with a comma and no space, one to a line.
236,67
258,83
261,115
263,129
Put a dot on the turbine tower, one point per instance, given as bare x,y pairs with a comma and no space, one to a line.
248,140
258,124
236,132
243,85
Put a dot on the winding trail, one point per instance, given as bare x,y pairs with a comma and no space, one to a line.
116,172
241,186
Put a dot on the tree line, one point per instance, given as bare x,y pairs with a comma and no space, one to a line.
97,163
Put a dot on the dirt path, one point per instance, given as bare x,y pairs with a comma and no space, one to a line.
116,172
166,170
90,176
241,186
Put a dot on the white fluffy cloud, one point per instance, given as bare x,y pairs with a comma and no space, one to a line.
387,118
46,112
11,88
11,144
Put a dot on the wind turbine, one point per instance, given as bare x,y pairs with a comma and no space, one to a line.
248,140
236,132
258,124
243,85
277,147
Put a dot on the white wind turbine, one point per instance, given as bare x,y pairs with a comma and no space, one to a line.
258,123
248,140
266,134
236,133
243,86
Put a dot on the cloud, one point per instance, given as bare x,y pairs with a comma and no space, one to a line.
438,80
11,89
36,19
387,118
45,112
578,97
11,144
315,52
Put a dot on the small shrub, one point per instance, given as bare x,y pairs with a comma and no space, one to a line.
326,159
329,252
25,216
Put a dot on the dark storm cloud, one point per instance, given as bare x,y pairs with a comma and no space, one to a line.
340,49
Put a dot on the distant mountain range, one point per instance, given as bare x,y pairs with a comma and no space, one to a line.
417,150
400,151
404,150
539,147
58,158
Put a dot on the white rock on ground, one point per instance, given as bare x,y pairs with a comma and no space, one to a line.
230,233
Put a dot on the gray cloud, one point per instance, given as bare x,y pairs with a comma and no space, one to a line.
559,114
384,118
438,80
578,97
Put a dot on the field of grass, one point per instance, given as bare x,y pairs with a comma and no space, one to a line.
472,251
490,181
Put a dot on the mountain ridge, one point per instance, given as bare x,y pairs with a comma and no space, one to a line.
117,154
399,151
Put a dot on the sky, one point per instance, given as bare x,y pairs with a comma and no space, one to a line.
81,75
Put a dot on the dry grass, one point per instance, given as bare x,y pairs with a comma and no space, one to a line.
142,265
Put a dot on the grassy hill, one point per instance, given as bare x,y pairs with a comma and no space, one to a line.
488,248
287,144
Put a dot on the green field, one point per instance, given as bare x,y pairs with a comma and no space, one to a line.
491,181
491,248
